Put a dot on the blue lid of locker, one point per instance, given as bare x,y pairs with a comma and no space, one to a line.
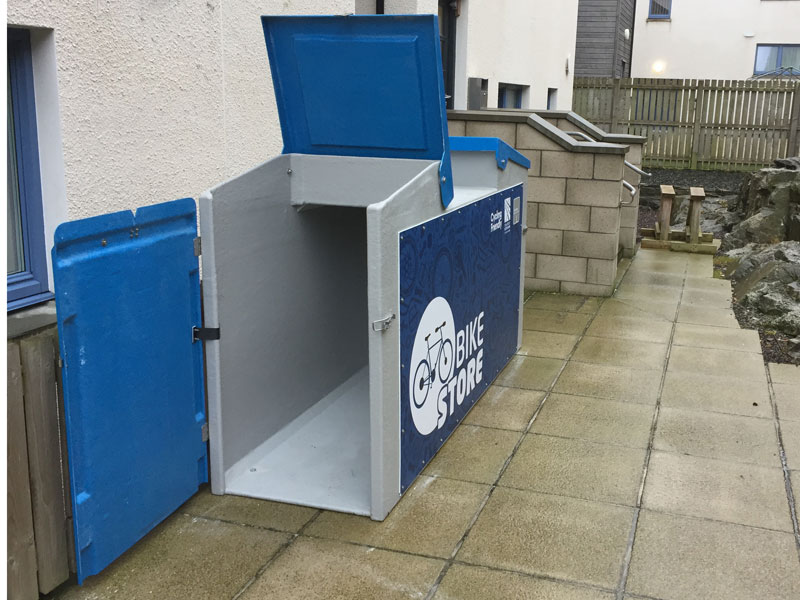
366,85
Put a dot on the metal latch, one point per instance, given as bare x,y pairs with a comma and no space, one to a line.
204,334
383,324
204,432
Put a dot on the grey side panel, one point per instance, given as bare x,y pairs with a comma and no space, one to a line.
349,180
290,300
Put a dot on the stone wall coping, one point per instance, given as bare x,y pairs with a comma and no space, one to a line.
609,144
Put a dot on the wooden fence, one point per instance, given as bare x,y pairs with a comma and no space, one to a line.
698,124
39,542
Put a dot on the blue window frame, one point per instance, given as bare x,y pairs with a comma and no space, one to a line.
772,57
660,9
27,260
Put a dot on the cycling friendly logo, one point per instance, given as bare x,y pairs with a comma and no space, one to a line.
446,365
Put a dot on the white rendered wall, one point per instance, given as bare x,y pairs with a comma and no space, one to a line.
706,40
522,42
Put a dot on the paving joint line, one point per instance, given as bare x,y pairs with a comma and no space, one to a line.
279,552
626,562
449,562
787,476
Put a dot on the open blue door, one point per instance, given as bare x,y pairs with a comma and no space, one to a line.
128,295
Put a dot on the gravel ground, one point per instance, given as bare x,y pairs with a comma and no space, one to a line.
711,181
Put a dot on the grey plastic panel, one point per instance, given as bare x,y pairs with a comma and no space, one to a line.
288,290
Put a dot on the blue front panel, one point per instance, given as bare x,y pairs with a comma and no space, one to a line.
127,296
459,315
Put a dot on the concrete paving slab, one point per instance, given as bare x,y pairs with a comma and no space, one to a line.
564,303
505,408
707,283
726,363
787,399
713,298
790,433
715,393
715,435
473,454
651,255
784,373
620,353
465,582
313,568
595,420
613,383
643,329
550,535
700,266
555,322
615,307
677,557
716,489
648,293
723,338
184,557
430,519
547,345
655,277
576,468
658,266
248,511
690,313
529,372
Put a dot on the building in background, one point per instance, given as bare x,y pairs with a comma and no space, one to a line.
605,38
715,39
121,104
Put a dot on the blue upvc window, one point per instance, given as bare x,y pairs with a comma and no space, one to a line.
27,261
660,9
774,57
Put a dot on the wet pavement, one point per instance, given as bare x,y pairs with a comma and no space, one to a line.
637,447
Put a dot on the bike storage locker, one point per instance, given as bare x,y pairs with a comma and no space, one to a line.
360,292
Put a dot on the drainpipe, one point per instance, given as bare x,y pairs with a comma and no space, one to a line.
379,8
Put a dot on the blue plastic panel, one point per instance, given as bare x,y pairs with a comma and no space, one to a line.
127,296
360,86
460,289
502,151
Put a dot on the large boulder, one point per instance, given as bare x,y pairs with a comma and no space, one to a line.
769,206
767,284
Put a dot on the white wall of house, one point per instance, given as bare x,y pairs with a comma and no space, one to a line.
141,103
712,39
519,42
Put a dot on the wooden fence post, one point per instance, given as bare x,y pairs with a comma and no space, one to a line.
615,94
665,211
697,195
699,101
793,149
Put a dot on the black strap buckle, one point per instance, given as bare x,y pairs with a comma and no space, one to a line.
204,334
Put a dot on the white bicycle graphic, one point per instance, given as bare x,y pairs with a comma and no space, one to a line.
427,370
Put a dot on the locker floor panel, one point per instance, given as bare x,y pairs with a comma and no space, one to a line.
321,459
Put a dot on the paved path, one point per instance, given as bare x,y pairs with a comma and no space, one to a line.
637,447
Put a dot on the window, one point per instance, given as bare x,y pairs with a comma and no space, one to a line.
510,95
27,262
771,57
552,98
660,9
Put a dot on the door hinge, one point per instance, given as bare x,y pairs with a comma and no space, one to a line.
204,334
383,324
198,246
204,432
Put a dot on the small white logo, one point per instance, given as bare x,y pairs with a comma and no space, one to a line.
507,215
446,365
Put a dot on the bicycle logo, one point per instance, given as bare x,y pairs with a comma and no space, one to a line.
432,364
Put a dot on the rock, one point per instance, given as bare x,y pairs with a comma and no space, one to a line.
788,163
767,283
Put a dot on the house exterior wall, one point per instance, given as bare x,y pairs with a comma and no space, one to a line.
707,40
601,46
520,42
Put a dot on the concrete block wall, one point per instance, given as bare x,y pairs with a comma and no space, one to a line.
574,215
629,215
